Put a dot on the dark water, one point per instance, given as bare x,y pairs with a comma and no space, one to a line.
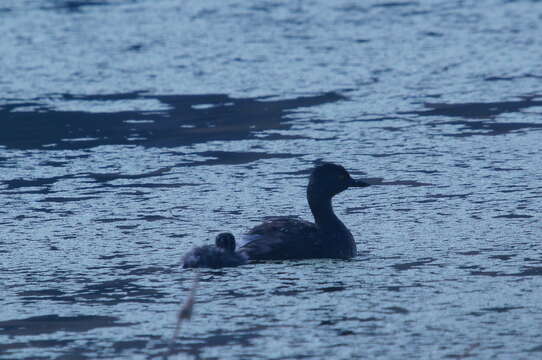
131,131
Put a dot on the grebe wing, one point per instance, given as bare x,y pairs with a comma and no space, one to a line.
280,238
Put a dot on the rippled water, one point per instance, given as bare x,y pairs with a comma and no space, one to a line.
131,131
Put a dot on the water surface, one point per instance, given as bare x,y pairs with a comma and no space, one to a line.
131,131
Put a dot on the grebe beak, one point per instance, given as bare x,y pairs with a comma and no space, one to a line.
357,183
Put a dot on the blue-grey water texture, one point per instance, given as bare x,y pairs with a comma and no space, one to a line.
131,131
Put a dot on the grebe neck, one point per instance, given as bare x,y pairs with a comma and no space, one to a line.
322,210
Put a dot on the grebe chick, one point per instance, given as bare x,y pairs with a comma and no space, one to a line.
222,254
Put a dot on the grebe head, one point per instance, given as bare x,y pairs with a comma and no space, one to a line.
328,180
225,241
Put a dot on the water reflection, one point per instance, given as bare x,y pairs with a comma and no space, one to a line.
48,324
187,120
482,110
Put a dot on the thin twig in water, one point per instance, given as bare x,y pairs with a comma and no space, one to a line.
184,313
467,352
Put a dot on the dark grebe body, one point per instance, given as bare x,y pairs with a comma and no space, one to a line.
283,238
